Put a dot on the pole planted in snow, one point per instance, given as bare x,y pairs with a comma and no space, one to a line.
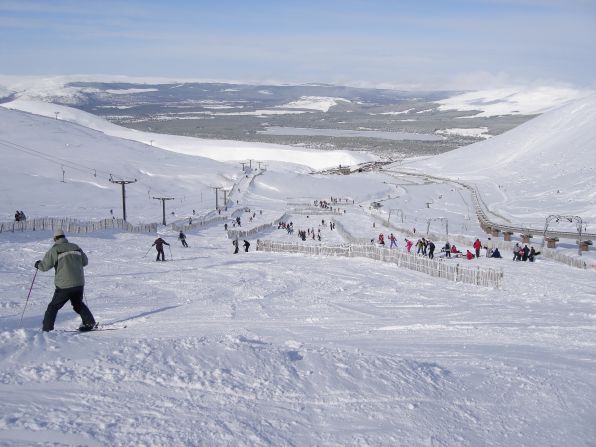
28,295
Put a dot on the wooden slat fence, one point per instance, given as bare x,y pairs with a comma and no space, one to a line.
486,277
71,225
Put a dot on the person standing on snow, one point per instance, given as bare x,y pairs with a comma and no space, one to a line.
516,249
477,247
431,249
489,247
408,245
235,244
182,238
68,261
447,249
525,253
246,245
393,241
159,243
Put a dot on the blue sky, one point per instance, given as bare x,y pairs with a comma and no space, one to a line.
434,44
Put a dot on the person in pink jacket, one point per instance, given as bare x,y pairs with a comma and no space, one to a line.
408,245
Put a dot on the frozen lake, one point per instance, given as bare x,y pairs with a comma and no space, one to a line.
346,133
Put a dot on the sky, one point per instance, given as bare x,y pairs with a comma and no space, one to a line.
376,43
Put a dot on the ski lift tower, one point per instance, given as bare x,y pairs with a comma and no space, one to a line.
440,219
123,183
556,217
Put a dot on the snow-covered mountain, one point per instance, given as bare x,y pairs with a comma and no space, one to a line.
277,349
546,165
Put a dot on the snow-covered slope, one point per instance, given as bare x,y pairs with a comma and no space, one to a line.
36,150
221,150
547,165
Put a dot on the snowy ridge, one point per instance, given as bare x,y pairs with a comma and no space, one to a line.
220,150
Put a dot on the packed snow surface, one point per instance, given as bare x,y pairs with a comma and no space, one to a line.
269,349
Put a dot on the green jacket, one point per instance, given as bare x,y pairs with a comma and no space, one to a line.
68,260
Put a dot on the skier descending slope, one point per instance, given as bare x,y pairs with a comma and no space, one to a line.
159,243
68,261
182,238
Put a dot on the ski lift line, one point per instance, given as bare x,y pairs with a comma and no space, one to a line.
52,159
49,159
62,162
29,150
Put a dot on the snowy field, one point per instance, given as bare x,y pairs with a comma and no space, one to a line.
268,349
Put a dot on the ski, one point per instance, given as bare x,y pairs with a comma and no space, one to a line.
97,328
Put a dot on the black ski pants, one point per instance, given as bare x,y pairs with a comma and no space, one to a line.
60,298
160,252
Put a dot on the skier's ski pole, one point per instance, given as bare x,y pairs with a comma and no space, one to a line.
171,257
28,295
148,251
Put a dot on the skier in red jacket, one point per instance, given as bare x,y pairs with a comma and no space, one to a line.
477,247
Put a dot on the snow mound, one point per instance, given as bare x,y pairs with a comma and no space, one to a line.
478,132
321,103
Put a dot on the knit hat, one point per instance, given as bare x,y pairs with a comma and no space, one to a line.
58,233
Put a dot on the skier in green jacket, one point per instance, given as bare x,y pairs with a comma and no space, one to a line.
68,261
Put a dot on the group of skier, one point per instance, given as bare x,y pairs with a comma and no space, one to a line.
68,261
524,253
236,245
424,246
